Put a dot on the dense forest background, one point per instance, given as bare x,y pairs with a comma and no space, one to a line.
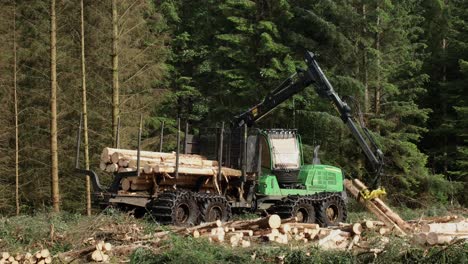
401,65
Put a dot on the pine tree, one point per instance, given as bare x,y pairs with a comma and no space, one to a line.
53,109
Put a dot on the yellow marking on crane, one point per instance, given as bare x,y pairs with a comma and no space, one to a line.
369,195
255,112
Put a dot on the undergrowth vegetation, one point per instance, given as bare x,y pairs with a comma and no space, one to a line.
25,233
187,250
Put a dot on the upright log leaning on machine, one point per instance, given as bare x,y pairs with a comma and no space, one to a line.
240,167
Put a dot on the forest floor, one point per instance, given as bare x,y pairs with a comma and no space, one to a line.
71,238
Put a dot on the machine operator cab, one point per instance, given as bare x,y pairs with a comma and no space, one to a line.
283,171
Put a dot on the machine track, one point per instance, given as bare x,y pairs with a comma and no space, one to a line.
323,208
213,207
176,208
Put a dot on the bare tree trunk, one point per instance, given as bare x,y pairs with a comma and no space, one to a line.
53,109
85,112
364,66
115,70
378,85
15,102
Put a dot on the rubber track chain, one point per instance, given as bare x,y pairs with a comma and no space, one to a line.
163,207
285,207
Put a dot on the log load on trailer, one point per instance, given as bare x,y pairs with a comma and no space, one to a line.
238,167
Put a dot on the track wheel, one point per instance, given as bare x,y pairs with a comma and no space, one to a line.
304,211
176,208
214,207
331,211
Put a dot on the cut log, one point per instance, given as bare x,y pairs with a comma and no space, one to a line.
5,255
330,237
354,228
353,242
420,238
112,167
125,184
440,239
107,247
102,166
216,238
305,225
285,228
45,253
272,221
244,232
384,230
97,256
289,220
245,243
200,228
311,234
107,153
281,239
445,227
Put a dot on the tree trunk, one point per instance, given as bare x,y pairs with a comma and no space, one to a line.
115,71
85,112
53,109
378,85
364,67
15,102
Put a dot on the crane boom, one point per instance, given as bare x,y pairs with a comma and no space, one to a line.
298,82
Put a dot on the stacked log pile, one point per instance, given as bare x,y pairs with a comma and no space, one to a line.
367,236
100,254
287,231
124,160
40,257
433,233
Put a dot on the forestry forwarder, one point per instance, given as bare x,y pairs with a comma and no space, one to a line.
269,165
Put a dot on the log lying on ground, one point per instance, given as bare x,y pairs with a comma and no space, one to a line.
353,228
445,227
272,221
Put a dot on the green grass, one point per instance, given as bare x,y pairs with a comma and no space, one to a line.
191,251
29,233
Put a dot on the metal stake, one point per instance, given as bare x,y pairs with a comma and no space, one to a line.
185,137
244,150
161,137
178,149
220,152
139,145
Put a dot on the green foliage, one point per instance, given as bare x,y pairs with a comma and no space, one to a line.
189,250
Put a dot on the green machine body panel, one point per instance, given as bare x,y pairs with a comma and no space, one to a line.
313,178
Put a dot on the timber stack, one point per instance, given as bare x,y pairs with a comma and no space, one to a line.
273,229
344,236
41,257
439,232
162,165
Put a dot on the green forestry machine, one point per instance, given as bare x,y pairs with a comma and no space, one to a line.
273,177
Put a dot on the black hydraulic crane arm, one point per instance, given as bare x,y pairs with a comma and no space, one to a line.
298,82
